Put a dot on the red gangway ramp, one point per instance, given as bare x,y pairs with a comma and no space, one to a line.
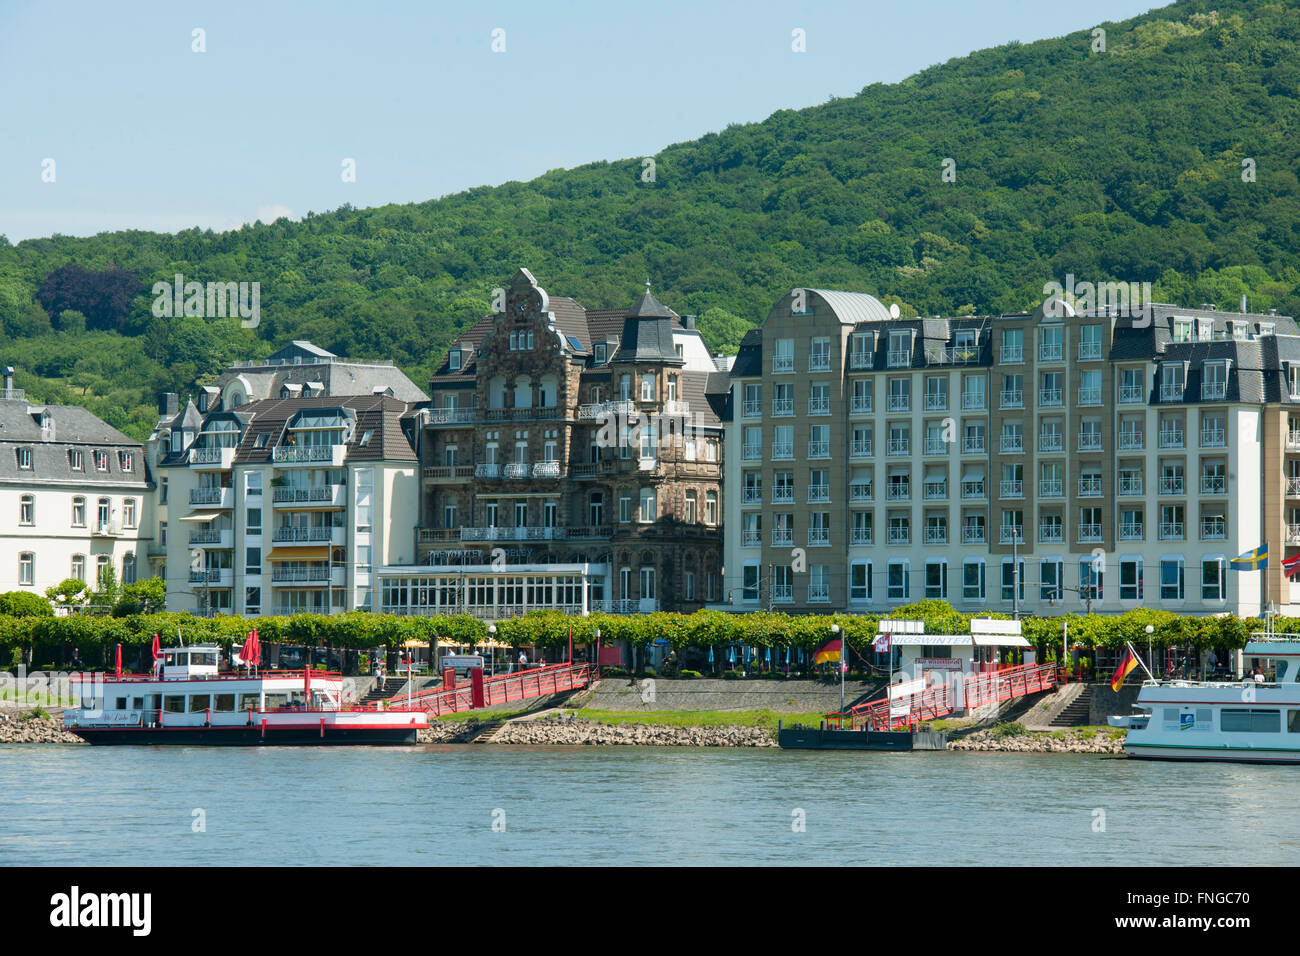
502,689
940,700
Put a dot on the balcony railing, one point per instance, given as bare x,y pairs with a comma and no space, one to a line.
1013,444
782,364
936,490
1050,398
1011,488
818,593
1131,531
1050,441
819,449
958,354
1090,441
546,469
1089,396
288,533
1131,440
900,358
1089,533
1130,485
819,406
293,495
819,362
1011,534
860,491
860,448
751,495
1051,532
1216,529
973,401
935,446
1171,391
454,416
782,536
899,446
1090,487
752,453
972,445
782,407
1089,352
1293,487
207,496
860,536
1131,394
1171,531
899,491
936,534
487,470
1051,352
936,403
860,405
751,539
972,534
819,537
819,493
1213,484
1172,438
205,536
900,403
300,575
1172,486
516,469
1050,488
972,490
305,453
1013,354
783,450
753,409
783,494
1014,398
899,535
1213,391
861,360
782,593
1292,441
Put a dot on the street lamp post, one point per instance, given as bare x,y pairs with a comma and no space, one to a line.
1150,630
844,666
492,651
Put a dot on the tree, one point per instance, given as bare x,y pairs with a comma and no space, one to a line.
24,604
70,592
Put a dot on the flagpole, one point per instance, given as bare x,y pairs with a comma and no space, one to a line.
1129,645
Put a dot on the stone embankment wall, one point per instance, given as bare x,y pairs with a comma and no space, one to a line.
566,730
792,696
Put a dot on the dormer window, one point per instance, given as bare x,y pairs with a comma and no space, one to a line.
1182,330
1204,329
101,460
126,460
1239,330
75,460
453,360
366,436
1266,328
599,351
1293,380
24,459
176,443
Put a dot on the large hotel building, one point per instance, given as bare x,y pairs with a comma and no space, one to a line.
1011,461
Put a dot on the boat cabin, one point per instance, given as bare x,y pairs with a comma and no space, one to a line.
190,663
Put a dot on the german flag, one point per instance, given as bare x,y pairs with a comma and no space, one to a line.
831,652
1129,662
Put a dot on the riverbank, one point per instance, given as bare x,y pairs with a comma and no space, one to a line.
35,730
1081,740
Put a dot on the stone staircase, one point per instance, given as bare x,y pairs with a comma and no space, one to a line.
1076,712
389,689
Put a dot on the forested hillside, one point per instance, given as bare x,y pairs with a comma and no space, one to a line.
1124,165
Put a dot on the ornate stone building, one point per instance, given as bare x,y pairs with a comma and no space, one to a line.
572,458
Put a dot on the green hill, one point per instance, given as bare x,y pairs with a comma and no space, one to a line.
1118,165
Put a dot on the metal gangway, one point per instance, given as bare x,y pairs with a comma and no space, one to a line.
480,692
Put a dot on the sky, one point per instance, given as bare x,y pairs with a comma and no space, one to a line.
112,117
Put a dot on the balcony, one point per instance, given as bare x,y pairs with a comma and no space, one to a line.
320,576
1130,486
899,491
900,403
1090,441
782,364
1050,441
1050,488
936,403
527,413
487,470
819,494
819,362
900,535
819,537
212,459
1130,531
1051,532
860,536
860,448
331,455
819,449
448,473
751,495
819,594
1051,398
936,534
1089,352
1089,396
899,447
782,537
453,416
1090,487
972,490
1216,529
819,406
1213,391
783,451
1172,485
861,405
546,469
936,490
860,491
1051,352
752,410
514,533
782,407
1014,398
1011,534
212,497
1293,487
1131,394
1172,438
1089,533
1214,485
958,354
602,410
1292,441
973,401
1130,440
972,445
1171,391
782,593
972,534
900,358
861,360
211,537
783,495
935,447
1013,354
751,539
1011,488
752,453
335,496
213,577
516,469
289,534
1171,531
1013,444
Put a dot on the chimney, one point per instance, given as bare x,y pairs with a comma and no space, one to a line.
1243,302
9,378
688,321
170,404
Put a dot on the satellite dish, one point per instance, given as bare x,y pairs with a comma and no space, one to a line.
893,310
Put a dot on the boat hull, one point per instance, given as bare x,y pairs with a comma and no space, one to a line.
1214,754
244,736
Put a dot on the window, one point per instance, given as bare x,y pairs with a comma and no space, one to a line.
27,510
1214,579
819,589
1130,579
899,585
1052,579
1250,720
128,512
1010,581
936,579
76,462
126,461
128,568
972,580
783,356
1013,345
647,511
26,568
647,387
749,590
688,586
819,355
624,508
1091,572
599,353
365,486
710,507
860,581
79,567
1171,579
691,514
101,460
24,458
253,561
453,360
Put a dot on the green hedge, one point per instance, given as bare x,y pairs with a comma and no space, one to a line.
94,635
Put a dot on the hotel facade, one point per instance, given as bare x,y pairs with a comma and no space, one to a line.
1032,462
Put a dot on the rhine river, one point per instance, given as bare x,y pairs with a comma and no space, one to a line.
117,806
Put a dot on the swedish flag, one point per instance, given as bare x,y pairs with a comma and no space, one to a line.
1251,561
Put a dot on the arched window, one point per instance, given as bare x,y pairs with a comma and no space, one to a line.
497,392
692,507
550,388
711,508
524,392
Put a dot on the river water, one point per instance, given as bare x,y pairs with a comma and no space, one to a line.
453,805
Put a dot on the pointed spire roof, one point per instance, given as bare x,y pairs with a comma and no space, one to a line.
649,307
648,332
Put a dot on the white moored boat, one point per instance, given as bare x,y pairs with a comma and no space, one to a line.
1243,721
189,701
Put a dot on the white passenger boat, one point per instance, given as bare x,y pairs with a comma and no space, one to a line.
188,700
1242,721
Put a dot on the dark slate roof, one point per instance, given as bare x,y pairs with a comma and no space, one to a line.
648,307
647,339
749,357
73,428
695,392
